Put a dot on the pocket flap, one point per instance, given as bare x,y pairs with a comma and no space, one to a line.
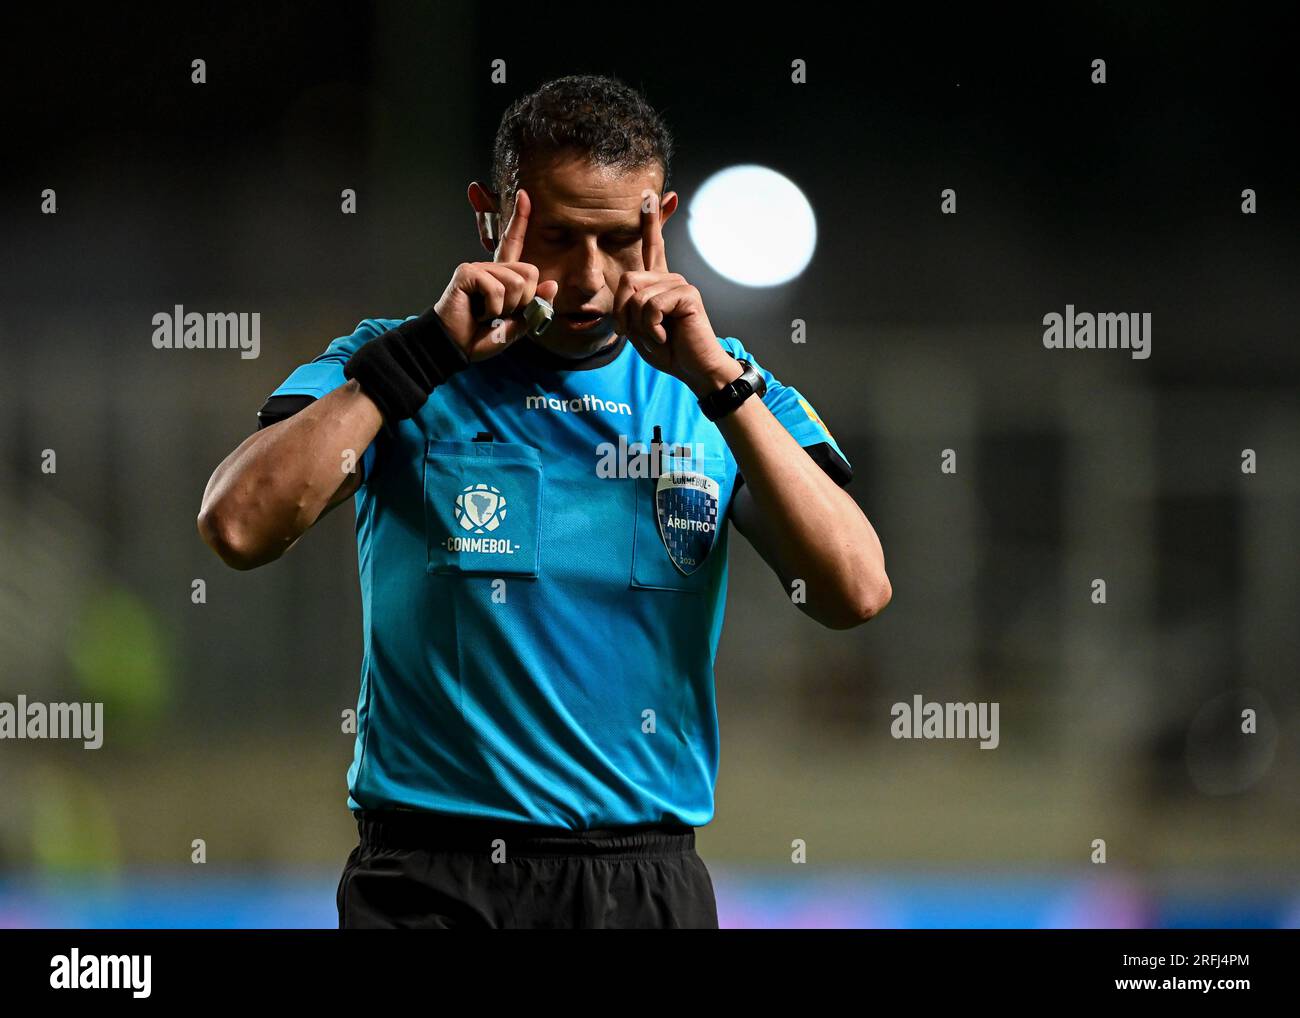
483,508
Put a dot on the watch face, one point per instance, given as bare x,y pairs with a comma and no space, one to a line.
730,396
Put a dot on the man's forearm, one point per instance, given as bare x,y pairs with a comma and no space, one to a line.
806,525
282,479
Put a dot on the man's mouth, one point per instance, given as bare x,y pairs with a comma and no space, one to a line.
582,319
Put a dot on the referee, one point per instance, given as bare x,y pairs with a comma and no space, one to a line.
540,540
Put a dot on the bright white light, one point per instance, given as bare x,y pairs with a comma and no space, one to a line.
752,225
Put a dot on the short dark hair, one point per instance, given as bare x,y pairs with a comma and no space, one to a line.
590,115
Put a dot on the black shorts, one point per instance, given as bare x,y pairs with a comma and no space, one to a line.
415,870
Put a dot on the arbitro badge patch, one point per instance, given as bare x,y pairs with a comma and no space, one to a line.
686,505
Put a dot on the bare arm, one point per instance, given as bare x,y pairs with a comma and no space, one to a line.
802,523
281,480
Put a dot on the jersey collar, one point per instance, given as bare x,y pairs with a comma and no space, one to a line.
534,353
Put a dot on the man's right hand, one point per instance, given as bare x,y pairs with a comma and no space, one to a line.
500,290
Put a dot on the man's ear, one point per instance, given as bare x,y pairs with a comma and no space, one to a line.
487,216
668,205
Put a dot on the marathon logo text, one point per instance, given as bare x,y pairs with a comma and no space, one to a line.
583,404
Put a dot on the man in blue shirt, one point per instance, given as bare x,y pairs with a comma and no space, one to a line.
540,538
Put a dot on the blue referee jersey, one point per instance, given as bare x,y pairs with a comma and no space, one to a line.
543,587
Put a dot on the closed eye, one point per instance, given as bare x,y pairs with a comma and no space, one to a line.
561,238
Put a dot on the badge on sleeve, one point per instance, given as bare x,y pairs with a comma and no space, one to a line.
686,506
812,415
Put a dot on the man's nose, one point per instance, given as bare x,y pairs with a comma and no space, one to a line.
587,270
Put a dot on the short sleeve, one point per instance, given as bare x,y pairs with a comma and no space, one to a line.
797,416
321,376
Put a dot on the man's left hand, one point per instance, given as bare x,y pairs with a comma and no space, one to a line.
663,315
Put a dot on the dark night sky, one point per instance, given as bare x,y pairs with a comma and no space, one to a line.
1124,195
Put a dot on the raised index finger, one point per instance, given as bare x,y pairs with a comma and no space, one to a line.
511,248
653,256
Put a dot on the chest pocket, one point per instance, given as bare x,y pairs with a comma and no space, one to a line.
483,508
678,515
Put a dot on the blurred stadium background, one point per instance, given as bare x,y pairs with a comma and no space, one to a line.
1117,721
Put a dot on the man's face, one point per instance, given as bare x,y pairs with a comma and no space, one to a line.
585,232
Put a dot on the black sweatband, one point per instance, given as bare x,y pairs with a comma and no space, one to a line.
399,369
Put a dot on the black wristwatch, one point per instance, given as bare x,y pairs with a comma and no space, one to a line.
718,404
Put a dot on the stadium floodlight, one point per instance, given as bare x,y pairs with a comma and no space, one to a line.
753,226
